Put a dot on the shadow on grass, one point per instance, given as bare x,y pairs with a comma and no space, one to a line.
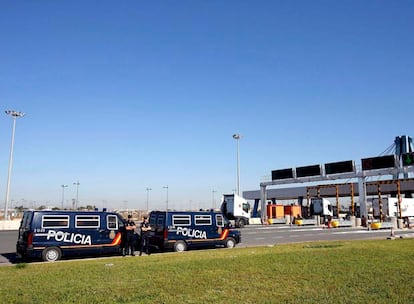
322,246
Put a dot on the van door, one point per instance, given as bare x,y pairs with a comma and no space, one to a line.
111,232
25,234
158,236
103,230
206,233
89,227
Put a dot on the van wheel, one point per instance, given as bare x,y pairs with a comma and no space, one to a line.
180,246
230,243
51,254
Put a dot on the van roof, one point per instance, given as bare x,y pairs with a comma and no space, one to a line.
66,211
198,211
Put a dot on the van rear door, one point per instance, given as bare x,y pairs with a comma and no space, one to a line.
158,237
25,234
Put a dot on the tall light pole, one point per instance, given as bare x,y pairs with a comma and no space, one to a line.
63,193
237,138
166,187
104,204
213,202
14,115
148,190
77,193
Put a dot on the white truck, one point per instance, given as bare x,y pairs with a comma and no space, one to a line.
320,206
236,209
390,207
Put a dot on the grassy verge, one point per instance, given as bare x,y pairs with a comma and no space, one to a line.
323,272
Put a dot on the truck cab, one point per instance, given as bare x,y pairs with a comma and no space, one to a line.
236,209
321,206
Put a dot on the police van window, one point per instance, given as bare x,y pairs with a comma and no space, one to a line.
219,220
203,219
25,224
181,220
112,222
160,220
55,221
152,219
87,221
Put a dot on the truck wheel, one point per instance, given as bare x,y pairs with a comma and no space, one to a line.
180,246
230,243
240,223
51,254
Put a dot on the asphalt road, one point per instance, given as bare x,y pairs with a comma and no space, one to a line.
274,234
253,236
8,241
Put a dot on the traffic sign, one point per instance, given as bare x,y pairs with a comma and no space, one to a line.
339,167
408,159
282,174
308,171
380,162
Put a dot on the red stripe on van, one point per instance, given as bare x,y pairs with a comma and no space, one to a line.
117,239
224,234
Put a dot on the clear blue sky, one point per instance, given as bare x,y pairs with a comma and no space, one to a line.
134,94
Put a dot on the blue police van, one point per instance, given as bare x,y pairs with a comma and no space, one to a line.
182,230
51,235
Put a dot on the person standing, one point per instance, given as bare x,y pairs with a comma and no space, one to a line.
129,236
329,221
145,229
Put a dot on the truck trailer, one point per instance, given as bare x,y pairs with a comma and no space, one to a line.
390,207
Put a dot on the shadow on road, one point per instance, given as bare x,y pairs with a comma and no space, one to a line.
9,258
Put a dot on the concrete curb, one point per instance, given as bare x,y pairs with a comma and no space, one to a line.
9,225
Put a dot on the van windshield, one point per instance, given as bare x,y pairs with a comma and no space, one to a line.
246,207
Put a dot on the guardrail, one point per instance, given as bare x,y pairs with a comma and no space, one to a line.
308,222
379,225
345,223
334,223
278,221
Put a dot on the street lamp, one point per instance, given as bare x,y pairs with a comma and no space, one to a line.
212,198
237,138
148,190
14,115
77,193
63,193
166,187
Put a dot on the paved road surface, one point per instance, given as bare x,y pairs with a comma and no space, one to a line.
271,235
8,246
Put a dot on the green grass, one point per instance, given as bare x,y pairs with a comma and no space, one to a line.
380,271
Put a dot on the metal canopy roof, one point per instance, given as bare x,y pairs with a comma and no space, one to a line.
344,190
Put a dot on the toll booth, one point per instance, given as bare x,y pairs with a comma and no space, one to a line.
275,211
293,210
